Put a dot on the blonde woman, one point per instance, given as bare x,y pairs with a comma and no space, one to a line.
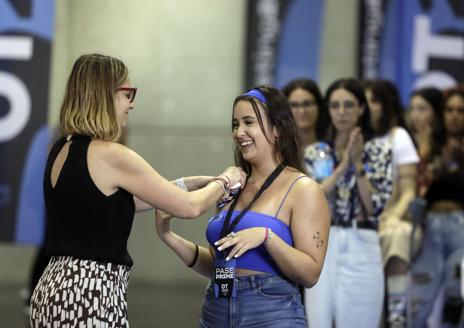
92,187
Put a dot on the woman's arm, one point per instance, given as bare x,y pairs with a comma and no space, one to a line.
185,249
310,223
310,218
132,173
329,183
191,183
407,192
365,189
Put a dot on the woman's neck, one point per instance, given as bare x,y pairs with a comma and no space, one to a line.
423,144
422,138
341,139
307,137
262,171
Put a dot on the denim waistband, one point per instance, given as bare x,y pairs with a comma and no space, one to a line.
355,224
258,280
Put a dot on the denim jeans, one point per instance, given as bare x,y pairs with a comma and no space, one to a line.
350,289
264,300
437,263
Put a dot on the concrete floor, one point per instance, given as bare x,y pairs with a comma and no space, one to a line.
149,306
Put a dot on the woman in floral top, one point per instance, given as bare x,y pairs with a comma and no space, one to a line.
355,172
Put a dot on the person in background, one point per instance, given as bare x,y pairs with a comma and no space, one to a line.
355,171
92,187
259,247
437,266
305,100
395,229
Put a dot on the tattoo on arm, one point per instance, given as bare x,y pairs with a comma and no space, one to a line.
317,238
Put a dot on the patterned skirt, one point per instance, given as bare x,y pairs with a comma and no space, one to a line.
80,293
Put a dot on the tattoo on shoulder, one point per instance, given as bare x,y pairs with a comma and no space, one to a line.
317,238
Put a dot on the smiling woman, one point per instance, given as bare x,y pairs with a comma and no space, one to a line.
92,187
259,250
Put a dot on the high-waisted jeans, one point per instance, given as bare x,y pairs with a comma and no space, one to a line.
438,263
264,300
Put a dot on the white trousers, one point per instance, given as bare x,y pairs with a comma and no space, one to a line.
350,290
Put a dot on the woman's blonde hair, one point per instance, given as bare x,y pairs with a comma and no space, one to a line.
88,104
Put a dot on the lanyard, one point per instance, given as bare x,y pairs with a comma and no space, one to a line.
270,179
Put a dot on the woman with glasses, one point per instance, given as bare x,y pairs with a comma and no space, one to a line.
357,180
305,100
387,118
92,187
272,236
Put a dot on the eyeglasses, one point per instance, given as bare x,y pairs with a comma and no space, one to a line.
304,104
131,92
348,105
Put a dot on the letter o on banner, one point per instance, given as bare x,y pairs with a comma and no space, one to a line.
16,93
438,79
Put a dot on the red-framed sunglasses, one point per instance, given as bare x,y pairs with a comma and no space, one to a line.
131,92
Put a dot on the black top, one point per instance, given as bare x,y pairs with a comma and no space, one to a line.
82,221
447,187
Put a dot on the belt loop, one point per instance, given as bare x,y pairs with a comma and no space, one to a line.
354,224
252,282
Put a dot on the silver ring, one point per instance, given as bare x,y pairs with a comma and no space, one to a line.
231,235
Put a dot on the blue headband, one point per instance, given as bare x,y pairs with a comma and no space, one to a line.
256,94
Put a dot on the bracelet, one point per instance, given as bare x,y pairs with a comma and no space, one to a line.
267,236
181,184
222,183
226,180
223,180
195,258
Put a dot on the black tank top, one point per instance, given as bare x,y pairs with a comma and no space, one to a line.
82,221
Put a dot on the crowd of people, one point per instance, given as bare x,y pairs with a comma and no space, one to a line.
397,203
324,195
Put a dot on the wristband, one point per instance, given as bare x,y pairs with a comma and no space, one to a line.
181,184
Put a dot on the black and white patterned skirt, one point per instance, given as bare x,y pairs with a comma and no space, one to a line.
80,293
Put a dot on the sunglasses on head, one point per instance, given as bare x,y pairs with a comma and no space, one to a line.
131,92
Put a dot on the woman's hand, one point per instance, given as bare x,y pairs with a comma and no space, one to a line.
356,146
389,223
235,175
242,241
162,223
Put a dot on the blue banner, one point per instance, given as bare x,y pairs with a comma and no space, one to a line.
413,43
26,32
283,40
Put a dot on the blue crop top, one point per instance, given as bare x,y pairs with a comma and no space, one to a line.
257,259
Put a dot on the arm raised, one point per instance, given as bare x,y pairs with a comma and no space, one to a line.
132,173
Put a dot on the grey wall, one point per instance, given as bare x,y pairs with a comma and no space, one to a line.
186,57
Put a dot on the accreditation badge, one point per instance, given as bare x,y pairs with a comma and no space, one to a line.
224,276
